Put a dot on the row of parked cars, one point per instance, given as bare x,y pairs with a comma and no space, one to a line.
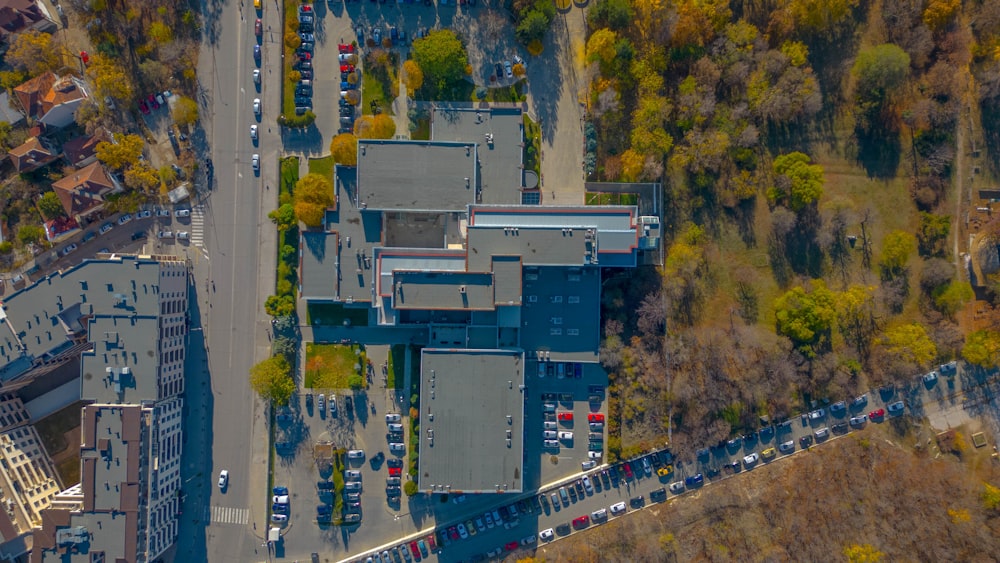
394,436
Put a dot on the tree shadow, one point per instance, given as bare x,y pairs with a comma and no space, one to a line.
879,154
546,81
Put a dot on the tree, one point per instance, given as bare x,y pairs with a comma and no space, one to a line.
124,152
532,27
283,217
272,380
616,14
50,206
142,176
896,250
933,233
682,271
6,247
982,348
951,298
821,15
356,382
313,195
379,126
880,70
410,488
280,305
35,52
154,73
160,32
185,111
601,46
910,343
412,76
344,148
863,553
807,317
804,180
442,58
109,77
857,318
939,13
990,497
285,346
30,234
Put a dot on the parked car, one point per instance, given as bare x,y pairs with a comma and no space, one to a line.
822,433
618,508
255,162
787,447
858,421
677,487
106,227
751,460
876,414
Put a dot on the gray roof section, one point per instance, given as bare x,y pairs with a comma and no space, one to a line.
443,290
389,260
123,365
318,266
535,246
500,161
561,313
416,175
507,276
9,113
472,404
44,316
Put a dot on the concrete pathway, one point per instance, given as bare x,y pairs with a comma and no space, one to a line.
401,104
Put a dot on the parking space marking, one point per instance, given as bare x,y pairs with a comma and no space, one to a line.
198,226
230,515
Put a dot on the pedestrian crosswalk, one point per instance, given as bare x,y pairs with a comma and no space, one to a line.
198,226
228,515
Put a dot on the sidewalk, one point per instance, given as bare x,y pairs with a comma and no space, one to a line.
401,104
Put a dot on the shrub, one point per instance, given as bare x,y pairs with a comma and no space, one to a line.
410,488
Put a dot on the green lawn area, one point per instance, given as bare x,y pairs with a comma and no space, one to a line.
335,314
338,486
423,130
533,145
397,363
329,366
289,174
611,199
379,82
322,166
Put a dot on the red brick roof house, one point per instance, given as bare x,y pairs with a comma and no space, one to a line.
33,154
60,229
30,93
82,192
17,16
81,151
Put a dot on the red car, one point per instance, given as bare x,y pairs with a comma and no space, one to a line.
627,469
595,417
304,56
346,68
152,102
879,413
565,416
85,57
344,48
395,471
453,533
143,107
431,543
415,550
258,28
305,8
511,546
581,522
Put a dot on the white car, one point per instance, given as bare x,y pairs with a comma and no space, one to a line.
392,417
462,531
183,235
551,444
546,535
599,514
253,132
279,499
163,213
751,460
256,106
508,69
352,475
397,447
395,427
181,213
565,435
106,227
69,249
256,76
145,214
279,518
165,234
255,162
618,508
352,486
586,485
528,540
356,454
589,464
124,219
549,434
549,425
594,455
223,478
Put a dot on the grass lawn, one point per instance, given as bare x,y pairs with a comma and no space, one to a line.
397,363
289,174
533,145
52,428
379,82
423,130
329,366
335,314
338,486
611,199
322,166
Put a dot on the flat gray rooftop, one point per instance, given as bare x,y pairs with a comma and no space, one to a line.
443,290
318,266
561,313
539,246
500,161
416,175
46,316
471,421
122,367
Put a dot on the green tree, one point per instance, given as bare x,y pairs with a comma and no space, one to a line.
683,269
313,195
272,380
952,297
910,343
6,247
50,206
601,46
896,250
880,70
821,15
410,488
30,234
280,305
356,382
799,182
160,32
441,55
933,233
344,148
616,14
532,27
185,111
10,79
283,217
807,317
982,348
990,497
285,346
124,152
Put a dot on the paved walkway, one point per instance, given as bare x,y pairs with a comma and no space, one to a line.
401,104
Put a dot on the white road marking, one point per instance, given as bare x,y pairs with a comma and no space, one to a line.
230,515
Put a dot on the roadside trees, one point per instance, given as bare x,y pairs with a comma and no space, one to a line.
313,194
272,380
441,56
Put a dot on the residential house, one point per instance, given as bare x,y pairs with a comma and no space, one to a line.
60,229
81,151
82,192
32,154
51,99
17,16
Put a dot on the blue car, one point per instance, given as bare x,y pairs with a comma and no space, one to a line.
256,52
281,491
694,480
279,508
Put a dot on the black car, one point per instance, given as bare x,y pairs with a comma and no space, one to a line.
139,235
394,462
345,112
324,485
659,495
344,130
806,441
305,91
306,47
840,428
579,486
301,110
637,502
499,70
303,101
305,74
766,432
392,491
324,509
614,474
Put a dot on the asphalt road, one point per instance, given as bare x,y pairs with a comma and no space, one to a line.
228,327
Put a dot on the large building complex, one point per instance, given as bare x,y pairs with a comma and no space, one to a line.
448,234
125,319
